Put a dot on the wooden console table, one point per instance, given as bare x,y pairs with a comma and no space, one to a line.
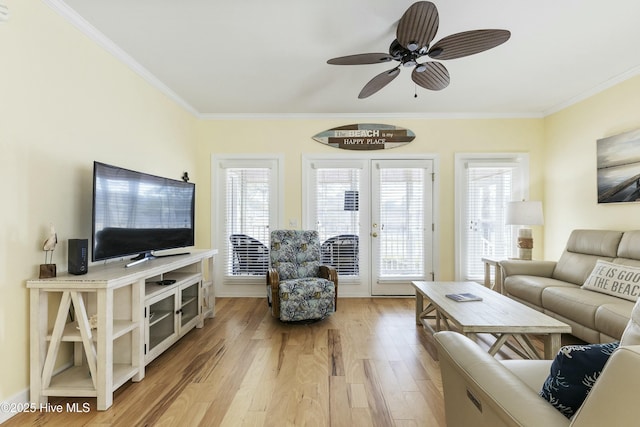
113,351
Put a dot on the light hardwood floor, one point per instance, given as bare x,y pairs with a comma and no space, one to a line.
367,365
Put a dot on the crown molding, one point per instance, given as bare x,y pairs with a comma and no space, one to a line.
401,116
106,43
594,91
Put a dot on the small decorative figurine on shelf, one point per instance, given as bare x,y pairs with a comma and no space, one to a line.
48,269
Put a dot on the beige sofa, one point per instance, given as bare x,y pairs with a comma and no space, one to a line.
482,391
554,287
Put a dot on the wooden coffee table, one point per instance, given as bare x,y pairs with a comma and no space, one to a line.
496,314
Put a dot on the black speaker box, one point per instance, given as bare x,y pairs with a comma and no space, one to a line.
78,260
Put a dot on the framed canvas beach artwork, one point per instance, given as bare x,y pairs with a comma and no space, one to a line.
619,168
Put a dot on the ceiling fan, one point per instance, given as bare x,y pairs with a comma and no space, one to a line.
416,30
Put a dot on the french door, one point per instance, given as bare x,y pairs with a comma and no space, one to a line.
401,225
374,217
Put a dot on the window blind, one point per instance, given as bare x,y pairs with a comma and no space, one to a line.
338,217
247,220
489,189
401,222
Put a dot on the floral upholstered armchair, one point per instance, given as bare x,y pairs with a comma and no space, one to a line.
298,286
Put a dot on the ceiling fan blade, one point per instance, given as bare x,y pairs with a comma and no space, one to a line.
378,82
468,43
434,77
362,58
418,25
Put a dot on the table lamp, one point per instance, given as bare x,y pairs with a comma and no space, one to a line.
525,214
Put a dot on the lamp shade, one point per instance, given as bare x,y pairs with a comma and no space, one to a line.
525,213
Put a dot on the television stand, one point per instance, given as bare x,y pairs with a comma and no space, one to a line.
122,320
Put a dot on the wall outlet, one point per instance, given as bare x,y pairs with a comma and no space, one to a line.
293,223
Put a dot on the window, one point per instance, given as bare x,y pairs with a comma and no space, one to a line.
401,223
484,186
337,216
246,212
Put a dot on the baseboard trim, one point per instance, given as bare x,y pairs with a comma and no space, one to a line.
21,399
11,405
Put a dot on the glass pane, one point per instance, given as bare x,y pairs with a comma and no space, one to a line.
489,191
247,219
161,321
401,222
338,217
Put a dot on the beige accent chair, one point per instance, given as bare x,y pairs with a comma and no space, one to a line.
480,390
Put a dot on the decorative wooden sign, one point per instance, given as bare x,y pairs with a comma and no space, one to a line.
365,136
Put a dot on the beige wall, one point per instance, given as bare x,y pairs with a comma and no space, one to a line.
569,169
442,137
65,102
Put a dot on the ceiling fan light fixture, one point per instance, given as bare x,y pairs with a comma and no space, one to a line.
410,63
413,46
421,68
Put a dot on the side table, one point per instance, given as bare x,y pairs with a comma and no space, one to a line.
496,285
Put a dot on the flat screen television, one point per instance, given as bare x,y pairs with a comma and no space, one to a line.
135,213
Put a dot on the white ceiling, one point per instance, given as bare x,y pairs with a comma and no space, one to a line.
224,58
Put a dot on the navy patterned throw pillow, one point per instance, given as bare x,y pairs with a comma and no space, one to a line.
573,373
